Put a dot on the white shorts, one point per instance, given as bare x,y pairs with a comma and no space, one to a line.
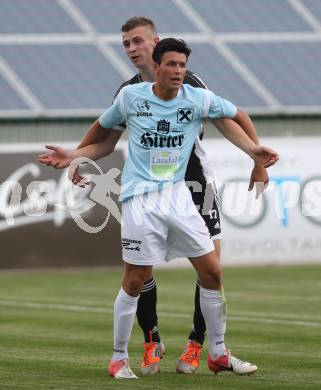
162,226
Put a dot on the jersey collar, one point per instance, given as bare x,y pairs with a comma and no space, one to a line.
180,91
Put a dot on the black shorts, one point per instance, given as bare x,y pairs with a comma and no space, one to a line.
206,201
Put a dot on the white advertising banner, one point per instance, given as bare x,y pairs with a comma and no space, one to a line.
40,209
45,221
282,226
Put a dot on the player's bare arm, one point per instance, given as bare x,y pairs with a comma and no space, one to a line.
259,176
94,134
102,148
259,173
61,158
234,133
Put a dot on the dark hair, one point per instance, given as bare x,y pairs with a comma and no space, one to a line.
137,21
170,44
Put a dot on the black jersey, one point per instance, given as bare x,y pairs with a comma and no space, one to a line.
195,168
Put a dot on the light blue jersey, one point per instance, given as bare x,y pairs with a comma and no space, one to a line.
161,133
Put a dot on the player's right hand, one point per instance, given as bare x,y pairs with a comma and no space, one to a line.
57,158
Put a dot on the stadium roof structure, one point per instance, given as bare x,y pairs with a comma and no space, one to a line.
64,58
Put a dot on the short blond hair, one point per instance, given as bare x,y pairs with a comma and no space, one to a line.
138,21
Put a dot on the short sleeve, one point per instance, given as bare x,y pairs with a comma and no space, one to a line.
115,114
218,107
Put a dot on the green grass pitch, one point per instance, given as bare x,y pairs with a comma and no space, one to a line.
56,329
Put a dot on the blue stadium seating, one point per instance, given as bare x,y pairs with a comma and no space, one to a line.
263,55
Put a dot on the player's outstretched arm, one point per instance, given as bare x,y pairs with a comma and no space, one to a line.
96,134
262,155
61,158
259,176
259,173
93,135
57,157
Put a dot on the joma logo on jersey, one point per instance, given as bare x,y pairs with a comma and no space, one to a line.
140,113
142,107
152,140
185,115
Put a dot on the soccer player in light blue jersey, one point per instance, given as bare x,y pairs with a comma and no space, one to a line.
139,38
159,218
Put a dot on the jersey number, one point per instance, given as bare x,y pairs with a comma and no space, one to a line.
213,214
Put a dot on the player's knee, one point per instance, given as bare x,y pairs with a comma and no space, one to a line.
133,285
211,278
212,281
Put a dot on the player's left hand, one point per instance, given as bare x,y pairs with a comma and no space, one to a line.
259,178
264,155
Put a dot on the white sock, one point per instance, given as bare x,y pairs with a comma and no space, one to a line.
213,308
124,315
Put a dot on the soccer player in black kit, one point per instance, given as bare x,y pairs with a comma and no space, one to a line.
139,39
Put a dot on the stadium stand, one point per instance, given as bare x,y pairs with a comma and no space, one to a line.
63,58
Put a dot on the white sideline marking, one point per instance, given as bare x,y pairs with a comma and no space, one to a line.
106,310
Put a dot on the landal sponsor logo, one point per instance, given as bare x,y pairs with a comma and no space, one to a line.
164,164
165,158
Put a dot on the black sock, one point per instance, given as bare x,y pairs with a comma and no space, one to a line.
199,329
146,311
